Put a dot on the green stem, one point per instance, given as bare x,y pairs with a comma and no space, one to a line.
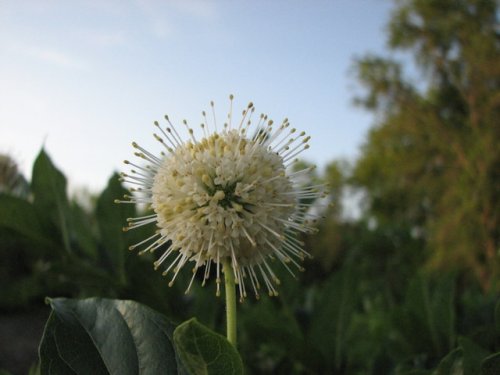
230,301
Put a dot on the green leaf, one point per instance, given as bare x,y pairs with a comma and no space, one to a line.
450,364
86,277
491,365
50,361
111,218
443,309
497,317
202,302
81,231
103,336
331,316
270,337
428,309
473,354
204,352
49,189
264,322
419,304
34,369
20,216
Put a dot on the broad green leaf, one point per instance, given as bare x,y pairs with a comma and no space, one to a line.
20,216
204,352
111,218
491,365
103,336
49,189
50,361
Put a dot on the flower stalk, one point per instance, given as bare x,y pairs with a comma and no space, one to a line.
230,289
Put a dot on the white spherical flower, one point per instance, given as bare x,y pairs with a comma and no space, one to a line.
228,195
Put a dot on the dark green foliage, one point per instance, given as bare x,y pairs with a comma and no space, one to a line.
270,337
426,319
20,217
53,246
103,336
491,365
334,305
113,238
410,286
50,201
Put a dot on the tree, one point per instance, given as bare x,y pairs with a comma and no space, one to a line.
11,179
433,160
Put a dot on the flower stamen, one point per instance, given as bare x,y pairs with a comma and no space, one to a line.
225,197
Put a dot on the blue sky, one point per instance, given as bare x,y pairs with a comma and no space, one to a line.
85,78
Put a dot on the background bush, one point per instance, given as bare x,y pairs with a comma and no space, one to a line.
410,286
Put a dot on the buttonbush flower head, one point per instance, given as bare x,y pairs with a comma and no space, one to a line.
226,193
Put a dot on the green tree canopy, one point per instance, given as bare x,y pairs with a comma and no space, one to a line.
433,159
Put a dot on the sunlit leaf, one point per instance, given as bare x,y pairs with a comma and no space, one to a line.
204,352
